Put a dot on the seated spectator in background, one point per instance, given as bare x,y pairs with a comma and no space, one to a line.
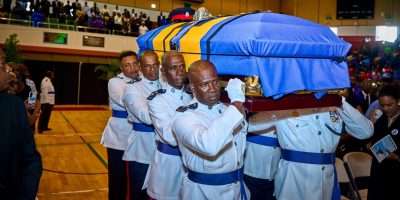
108,21
384,173
116,10
80,16
118,22
163,21
148,23
143,29
86,9
125,22
135,23
19,10
56,5
62,14
96,23
37,17
20,162
104,10
159,18
67,9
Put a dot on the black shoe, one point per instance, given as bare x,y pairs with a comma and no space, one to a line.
40,131
47,129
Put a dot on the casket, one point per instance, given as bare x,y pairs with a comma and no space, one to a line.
297,61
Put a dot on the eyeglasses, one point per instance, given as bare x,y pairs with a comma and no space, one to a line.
148,66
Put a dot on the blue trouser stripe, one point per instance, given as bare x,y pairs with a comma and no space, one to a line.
119,113
168,149
117,177
219,179
262,140
314,158
142,127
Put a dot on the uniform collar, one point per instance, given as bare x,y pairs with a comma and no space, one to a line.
123,77
155,83
173,91
214,108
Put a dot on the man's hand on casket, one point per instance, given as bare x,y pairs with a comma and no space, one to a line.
234,89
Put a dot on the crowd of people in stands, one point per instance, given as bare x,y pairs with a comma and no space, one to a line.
81,14
375,62
369,68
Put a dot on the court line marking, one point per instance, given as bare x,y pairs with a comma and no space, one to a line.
73,192
68,134
105,164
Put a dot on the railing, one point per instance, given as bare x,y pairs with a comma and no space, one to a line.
64,26
4,20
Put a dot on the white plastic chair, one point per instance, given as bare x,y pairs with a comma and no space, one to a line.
359,164
343,178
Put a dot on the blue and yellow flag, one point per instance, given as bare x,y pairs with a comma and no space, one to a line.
288,53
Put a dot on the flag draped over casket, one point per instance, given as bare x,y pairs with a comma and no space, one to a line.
288,54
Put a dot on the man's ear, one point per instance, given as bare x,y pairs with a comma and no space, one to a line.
191,88
162,71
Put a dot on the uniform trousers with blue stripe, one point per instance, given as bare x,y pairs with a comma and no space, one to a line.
260,188
137,173
117,178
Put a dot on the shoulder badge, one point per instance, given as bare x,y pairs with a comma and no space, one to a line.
134,80
154,93
185,108
118,77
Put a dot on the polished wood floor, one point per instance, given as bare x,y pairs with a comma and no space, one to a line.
74,162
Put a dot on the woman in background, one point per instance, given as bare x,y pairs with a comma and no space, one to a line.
383,174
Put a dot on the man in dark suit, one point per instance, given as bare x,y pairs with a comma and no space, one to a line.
20,163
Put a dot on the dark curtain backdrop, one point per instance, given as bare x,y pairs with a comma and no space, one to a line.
92,90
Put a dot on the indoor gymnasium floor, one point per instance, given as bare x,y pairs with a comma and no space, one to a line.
74,162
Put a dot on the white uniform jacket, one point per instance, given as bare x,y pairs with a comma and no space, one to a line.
116,133
48,93
313,130
212,141
141,145
166,171
261,161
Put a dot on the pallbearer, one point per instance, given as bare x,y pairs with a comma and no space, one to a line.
167,169
141,142
116,133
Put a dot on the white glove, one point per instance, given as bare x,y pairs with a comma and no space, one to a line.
234,89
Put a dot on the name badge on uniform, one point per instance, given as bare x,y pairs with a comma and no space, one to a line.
295,113
333,115
394,132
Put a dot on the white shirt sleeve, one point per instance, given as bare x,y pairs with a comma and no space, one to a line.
162,120
136,104
208,139
45,90
115,90
356,124
260,122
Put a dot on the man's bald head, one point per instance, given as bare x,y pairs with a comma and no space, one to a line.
174,69
198,66
147,53
149,65
168,55
204,82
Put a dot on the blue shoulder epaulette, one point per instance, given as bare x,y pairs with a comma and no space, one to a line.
185,108
118,77
134,80
154,93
